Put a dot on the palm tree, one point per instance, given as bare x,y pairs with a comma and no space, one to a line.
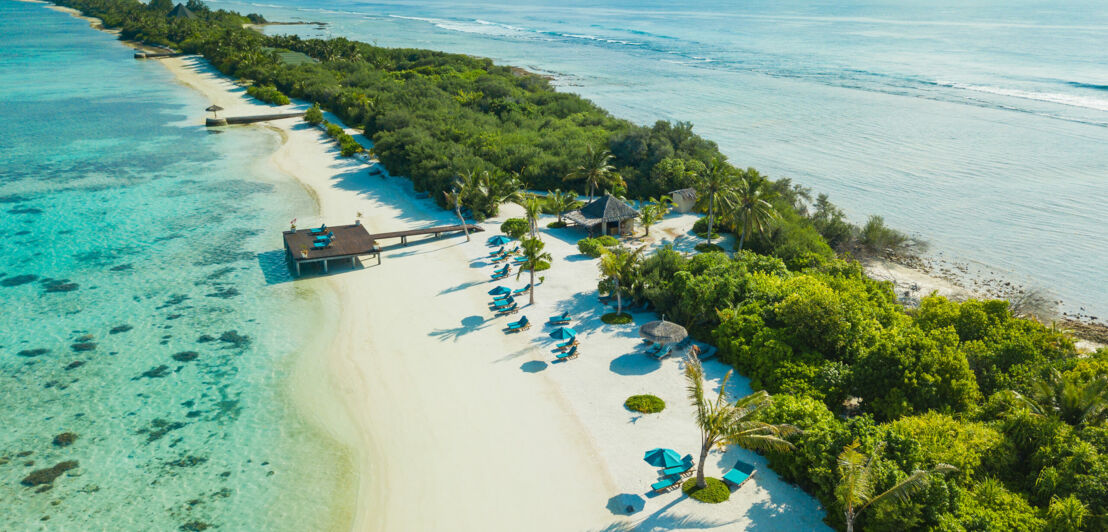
714,187
619,267
454,199
560,202
724,423
498,187
532,208
534,255
594,170
653,212
855,489
750,207
1072,401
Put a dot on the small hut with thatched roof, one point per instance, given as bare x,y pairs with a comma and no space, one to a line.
180,11
603,212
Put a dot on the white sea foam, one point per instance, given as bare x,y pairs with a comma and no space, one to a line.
1073,100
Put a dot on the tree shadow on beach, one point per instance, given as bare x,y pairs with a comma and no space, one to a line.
631,364
468,325
460,287
661,519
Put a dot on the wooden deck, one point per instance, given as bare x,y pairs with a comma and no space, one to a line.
437,231
350,242
216,122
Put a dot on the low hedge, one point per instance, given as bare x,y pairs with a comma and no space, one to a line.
705,247
612,318
591,247
715,493
607,241
647,404
556,225
268,94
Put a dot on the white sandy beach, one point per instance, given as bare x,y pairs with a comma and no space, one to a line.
455,425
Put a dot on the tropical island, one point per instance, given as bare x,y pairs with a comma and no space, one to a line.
950,415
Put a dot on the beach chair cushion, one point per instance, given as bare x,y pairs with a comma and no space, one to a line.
319,229
572,353
663,352
740,473
321,244
523,290
665,483
677,470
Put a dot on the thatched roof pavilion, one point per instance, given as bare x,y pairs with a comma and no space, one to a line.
603,211
180,11
663,332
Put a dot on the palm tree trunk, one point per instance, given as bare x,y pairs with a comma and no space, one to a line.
700,482
465,228
711,211
849,521
742,238
619,299
532,290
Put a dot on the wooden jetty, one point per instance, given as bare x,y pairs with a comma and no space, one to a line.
349,243
353,241
437,231
156,55
214,122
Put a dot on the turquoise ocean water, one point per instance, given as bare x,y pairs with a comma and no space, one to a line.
980,125
145,305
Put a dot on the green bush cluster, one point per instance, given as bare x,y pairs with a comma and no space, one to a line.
705,247
613,318
714,493
314,115
347,144
607,241
268,94
556,225
647,404
591,247
515,227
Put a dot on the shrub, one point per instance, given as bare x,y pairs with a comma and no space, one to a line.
715,493
876,237
607,241
268,94
647,404
700,227
333,130
590,247
515,227
556,225
612,318
314,116
705,247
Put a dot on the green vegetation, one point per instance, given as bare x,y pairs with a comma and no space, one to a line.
268,94
714,490
314,115
347,145
855,490
616,318
555,225
705,247
607,241
724,423
618,267
558,202
591,247
653,212
515,227
536,260
647,404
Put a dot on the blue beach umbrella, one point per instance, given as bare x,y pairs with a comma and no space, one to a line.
563,333
500,290
665,458
499,240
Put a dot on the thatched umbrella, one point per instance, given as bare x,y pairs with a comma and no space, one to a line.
663,332
214,109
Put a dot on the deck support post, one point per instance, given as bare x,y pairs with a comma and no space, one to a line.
325,265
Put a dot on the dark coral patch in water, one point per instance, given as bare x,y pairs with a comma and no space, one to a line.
188,461
65,439
122,268
159,428
47,475
154,373
234,338
120,329
33,352
59,285
224,293
74,365
85,338
185,356
83,346
26,210
195,526
18,280
205,338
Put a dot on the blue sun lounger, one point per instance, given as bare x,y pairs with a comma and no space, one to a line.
666,484
519,260
328,236
572,353
654,349
568,343
663,352
319,230
497,305
497,252
321,245
498,276
517,326
523,290
503,297
739,474
510,309
560,319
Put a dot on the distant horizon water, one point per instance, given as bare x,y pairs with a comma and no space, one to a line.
148,312
980,126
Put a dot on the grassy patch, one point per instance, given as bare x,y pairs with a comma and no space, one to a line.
715,493
705,247
647,404
556,225
612,318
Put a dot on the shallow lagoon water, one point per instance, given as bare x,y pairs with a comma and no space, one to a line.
146,307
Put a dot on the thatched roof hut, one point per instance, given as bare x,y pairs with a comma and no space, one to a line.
663,332
180,11
601,212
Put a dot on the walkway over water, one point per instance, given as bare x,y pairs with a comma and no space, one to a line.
351,241
215,122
